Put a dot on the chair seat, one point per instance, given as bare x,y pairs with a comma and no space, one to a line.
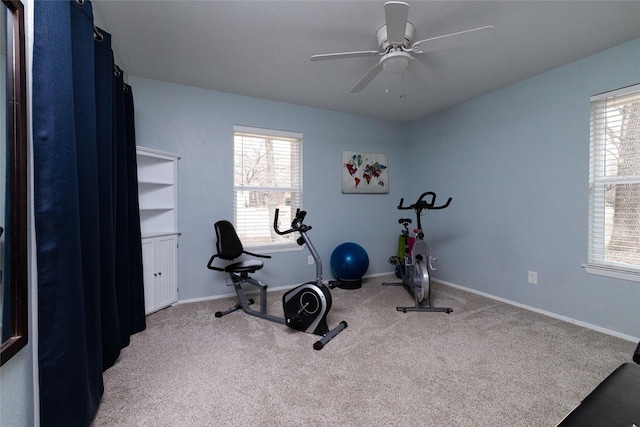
248,266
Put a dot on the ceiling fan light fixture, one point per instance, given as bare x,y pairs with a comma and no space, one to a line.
395,62
396,46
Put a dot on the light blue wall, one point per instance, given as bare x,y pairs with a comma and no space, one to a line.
197,124
516,164
16,389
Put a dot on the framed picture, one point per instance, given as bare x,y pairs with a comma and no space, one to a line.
364,172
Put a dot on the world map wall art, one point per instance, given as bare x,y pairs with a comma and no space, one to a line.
364,173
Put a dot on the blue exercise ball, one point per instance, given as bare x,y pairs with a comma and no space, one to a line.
349,261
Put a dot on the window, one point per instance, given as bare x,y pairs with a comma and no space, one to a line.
267,175
614,184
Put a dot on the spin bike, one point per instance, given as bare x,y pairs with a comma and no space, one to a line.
305,306
416,262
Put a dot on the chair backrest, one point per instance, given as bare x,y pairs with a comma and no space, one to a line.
228,244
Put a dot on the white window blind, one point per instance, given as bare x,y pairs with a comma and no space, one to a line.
267,176
614,181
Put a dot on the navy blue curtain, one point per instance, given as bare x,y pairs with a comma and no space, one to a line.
89,255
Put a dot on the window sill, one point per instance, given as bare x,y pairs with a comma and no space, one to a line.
613,272
272,249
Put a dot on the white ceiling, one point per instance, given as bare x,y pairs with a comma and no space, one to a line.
263,48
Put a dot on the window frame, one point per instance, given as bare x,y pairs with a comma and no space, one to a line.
598,180
273,247
16,232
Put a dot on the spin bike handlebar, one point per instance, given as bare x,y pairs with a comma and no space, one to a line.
296,225
421,204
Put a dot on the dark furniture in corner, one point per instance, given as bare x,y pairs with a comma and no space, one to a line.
614,402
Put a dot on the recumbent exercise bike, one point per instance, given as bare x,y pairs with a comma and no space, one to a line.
416,262
305,306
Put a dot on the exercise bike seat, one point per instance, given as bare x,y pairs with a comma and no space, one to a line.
248,266
230,248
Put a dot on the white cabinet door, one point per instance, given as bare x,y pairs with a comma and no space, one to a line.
160,258
148,268
167,280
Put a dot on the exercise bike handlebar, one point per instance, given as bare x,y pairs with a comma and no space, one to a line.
421,204
296,225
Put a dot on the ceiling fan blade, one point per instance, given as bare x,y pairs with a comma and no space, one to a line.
422,72
340,55
396,14
460,38
367,78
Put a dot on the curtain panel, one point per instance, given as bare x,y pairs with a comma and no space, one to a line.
88,243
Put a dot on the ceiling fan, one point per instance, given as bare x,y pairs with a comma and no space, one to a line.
396,45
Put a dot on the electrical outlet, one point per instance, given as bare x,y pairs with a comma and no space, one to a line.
310,260
533,277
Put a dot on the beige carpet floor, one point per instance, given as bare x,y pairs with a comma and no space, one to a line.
486,364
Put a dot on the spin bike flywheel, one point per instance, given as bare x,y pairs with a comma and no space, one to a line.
420,259
421,288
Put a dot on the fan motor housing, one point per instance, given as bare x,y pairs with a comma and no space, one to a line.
383,40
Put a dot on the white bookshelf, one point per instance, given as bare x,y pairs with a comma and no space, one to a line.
158,200
157,192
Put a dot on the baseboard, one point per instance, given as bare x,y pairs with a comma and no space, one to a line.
269,289
544,312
